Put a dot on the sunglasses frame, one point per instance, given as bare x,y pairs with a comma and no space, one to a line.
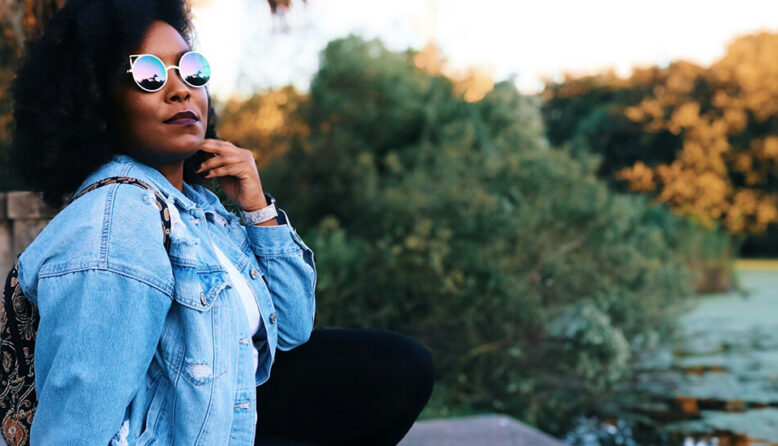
137,56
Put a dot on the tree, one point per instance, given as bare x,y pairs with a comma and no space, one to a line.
269,120
535,286
702,139
20,20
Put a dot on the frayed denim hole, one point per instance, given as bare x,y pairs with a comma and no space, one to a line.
120,439
177,226
150,198
199,371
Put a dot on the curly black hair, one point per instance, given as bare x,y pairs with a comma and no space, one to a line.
62,91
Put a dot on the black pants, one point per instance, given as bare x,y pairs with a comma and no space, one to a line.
345,387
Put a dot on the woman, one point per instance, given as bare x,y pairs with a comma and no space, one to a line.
138,345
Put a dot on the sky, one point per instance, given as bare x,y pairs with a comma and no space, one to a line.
510,39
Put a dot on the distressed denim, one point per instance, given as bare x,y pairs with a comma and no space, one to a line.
138,347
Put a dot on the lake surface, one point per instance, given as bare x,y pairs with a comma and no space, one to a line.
722,379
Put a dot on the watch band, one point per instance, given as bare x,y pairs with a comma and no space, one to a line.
260,215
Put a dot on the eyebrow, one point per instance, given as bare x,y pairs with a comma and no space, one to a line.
177,55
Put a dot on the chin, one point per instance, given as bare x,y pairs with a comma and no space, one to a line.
187,145
169,154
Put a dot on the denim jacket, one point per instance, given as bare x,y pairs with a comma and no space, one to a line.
135,346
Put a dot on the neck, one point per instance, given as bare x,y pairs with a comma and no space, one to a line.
174,172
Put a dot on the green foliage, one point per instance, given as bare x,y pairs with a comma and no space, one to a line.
588,114
536,287
700,138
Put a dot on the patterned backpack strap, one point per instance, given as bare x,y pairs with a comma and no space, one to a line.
18,326
162,205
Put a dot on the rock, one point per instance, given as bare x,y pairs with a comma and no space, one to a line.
478,430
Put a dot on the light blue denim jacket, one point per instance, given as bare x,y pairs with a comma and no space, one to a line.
135,347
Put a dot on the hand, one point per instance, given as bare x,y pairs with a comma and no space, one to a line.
237,172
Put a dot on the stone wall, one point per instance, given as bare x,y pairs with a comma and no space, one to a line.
23,215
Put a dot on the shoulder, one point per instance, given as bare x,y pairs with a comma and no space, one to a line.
117,227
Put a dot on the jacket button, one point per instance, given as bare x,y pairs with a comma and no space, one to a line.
254,273
202,299
273,318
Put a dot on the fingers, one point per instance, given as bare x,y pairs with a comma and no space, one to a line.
228,157
217,161
232,169
235,165
222,148
218,146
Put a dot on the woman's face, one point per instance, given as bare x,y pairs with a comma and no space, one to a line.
143,118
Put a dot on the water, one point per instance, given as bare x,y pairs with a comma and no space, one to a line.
718,386
723,378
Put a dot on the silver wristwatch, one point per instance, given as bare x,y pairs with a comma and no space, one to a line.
260,215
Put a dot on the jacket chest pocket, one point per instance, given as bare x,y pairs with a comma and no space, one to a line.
196,323
198,288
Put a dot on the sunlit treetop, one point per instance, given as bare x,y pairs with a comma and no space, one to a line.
706,138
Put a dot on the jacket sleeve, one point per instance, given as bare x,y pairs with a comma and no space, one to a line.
289,268
96,338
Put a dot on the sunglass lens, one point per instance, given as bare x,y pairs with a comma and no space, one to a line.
149,72
195,69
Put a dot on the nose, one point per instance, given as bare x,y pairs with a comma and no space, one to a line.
176,90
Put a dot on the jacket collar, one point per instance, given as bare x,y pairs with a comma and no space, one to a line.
118,166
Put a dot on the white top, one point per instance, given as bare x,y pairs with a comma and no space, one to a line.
246,295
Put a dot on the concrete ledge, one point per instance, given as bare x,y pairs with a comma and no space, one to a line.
23,215
27,205
478,430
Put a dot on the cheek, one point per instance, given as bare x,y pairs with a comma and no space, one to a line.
138,115
201,102
141,113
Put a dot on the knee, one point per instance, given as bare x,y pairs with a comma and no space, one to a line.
418,364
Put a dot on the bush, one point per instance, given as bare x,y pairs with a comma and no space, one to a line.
536,287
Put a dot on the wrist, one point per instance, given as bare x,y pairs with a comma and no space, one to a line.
259,215
263,203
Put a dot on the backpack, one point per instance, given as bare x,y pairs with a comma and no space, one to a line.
18,326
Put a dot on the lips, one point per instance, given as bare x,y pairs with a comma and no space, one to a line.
181,118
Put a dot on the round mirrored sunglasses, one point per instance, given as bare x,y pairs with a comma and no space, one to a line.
150,73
